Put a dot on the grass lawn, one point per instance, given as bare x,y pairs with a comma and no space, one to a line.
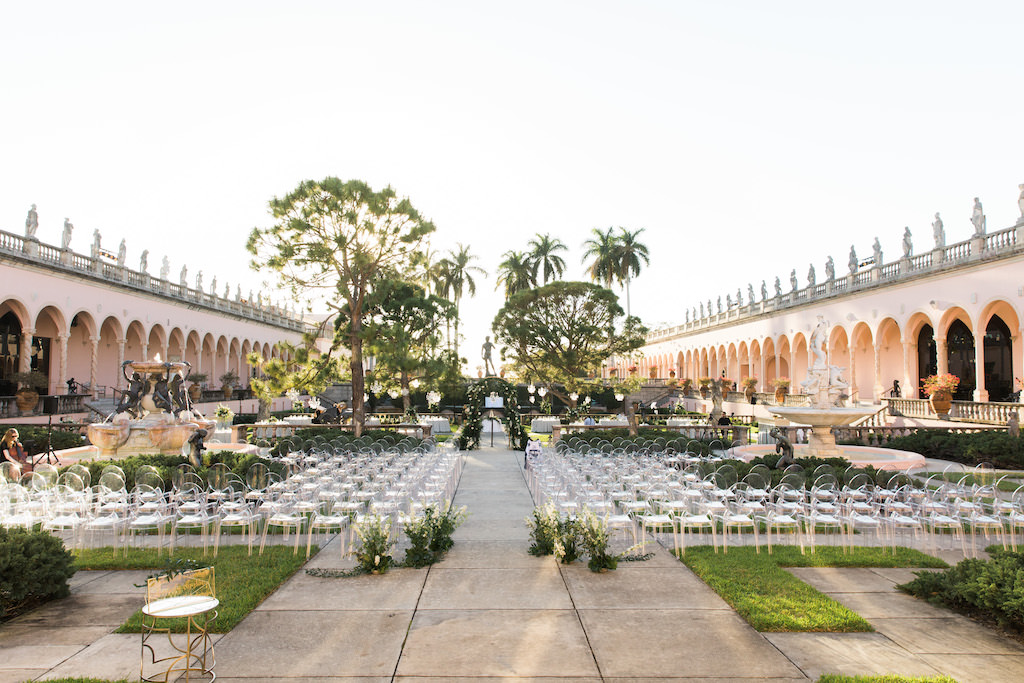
242,582
887,678
772,599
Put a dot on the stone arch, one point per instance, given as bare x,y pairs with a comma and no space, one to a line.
839,353
889,364
109,350
861,361
157,342
208,355
136,342
193,351
176,344
1002,349
50,325
799,353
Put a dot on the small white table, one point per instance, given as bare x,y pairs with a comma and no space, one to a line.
190,655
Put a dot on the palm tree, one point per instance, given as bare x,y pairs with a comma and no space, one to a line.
629,254
602,248
516,273
543,257
460,276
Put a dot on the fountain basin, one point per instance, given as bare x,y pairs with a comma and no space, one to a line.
859,456
818,417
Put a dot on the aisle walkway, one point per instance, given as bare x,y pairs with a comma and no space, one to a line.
491,611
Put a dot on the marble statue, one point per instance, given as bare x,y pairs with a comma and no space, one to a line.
938,232
876,250
830,269
144,261
227,291
719,305
238,292
811,277
31,222
96,243
122,254
711,309
165,269
65,240
908,243
1020,203
184,277
778,287
250,299
728,301
764,290
853,262
702,309
485,352
199,281
750,292
686,315
794,285
739,297
818,338
259,299
978,218
213,286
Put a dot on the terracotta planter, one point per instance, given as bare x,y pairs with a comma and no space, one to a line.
703,392
941,401
27,399
195,392
780,395
748,393
228,390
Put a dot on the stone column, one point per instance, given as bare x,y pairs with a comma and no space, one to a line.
909,387
145,350
854,391
980,392
778,365
878,389
25,350
120,359
941,356
760,370
62,368
94,358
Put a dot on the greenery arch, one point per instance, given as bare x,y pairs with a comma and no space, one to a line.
471,428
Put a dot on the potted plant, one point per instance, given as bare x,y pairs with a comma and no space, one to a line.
227,383
653,374
31,384
726,386
195,390
632,369
613,372
749,387
704,384
687,386
939,390
781,389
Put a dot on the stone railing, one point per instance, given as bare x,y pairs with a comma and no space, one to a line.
107,270
727,435
66,404
998,244
240,433
962,411
867,436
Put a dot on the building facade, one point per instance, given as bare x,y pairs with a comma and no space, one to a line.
954,308
77,316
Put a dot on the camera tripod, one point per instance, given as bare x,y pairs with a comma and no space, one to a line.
48,455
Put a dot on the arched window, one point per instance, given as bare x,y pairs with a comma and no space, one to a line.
998,360
927,360
960,347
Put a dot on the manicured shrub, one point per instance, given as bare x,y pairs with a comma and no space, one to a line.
990,446
991,588
34,438
34,567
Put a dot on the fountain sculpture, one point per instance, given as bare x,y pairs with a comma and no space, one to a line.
154,414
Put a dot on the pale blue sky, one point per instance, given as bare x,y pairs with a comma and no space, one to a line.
747,138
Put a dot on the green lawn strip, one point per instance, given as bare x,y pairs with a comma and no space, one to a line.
242,582
885,678
86,680
771,599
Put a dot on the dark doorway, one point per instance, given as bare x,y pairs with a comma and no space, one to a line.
10,339
927,360
960,348
998,360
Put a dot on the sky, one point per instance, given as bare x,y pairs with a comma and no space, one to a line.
745,138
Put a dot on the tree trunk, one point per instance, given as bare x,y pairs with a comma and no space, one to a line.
634,424
406,393
358,381
263,412
628,311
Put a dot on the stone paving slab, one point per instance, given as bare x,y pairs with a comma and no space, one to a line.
843,580
116,582
848,653
890,604
490,555
398,589
948,635
19,675
680,643
536,588
900,575
39,656
450,643
493,530
639,587
979,668
499,679
15,634
276,644
84,610
311,679
114,656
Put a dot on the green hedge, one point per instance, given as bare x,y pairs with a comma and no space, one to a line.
34,567
238,463
992,589
991,446
34,438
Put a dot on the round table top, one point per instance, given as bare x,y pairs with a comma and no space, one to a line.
180,606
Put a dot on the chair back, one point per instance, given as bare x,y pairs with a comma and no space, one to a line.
196,582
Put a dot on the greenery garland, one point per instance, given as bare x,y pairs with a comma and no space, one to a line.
472,426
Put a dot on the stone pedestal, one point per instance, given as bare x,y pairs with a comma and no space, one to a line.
31,247
904,265
937,255
977,247
66,257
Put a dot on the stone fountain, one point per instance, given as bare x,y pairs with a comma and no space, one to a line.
154,415
827,390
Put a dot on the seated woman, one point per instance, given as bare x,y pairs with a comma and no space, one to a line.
14,452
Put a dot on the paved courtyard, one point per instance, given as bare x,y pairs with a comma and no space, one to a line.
491,611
